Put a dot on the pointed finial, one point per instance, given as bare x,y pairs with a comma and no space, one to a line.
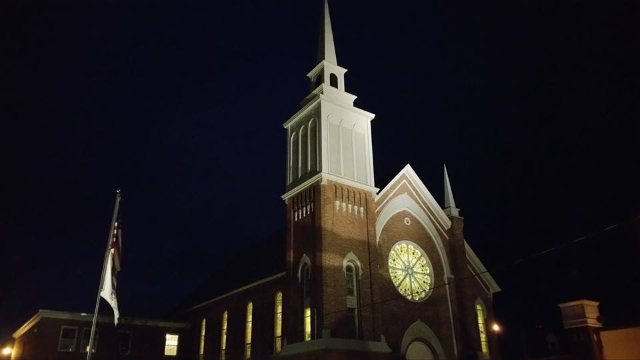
327,49
449,203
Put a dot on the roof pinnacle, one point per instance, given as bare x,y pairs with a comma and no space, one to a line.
449,203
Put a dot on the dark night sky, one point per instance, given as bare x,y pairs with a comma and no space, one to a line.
533,105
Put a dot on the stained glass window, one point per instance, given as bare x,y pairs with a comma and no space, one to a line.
278,323
482,329
247,335
223,337
307,323
203,329
410,271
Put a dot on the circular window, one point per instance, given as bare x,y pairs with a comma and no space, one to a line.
410,271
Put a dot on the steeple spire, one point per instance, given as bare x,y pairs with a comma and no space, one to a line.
449,203
327,49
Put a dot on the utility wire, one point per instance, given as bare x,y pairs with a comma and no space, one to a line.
517,262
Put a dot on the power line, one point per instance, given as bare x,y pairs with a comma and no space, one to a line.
514,263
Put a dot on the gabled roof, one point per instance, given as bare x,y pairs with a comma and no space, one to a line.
424,194
427,200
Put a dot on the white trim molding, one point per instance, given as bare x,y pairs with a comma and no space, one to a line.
405,203
419,331
422,190
479,271
351,258
304,260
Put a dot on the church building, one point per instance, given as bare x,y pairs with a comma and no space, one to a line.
370,273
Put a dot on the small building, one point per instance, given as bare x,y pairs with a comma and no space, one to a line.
53,335
586,338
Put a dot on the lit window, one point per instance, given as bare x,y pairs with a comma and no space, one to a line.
278,323
68,337
247,334
86,337
223,337
307,323
124,342
203,329
306,300
482,329
171,345
352,298
410,271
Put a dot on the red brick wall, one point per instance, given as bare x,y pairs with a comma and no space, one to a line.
41,341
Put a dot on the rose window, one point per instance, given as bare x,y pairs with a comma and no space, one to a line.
410,271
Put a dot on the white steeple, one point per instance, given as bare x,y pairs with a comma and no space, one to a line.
329,139
449,203
327,49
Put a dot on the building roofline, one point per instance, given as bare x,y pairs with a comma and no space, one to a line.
278,275
66,315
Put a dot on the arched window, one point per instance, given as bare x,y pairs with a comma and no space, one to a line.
333,80
203,329
248,328
223,337
318,81
306,300
352,298
482,327
313,146
277,331
294,157
304,155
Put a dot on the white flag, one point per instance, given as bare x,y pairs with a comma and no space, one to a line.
108,291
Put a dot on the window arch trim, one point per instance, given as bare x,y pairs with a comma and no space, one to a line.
352,258
304,260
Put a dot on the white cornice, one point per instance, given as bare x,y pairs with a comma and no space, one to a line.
302,186
301,112
64,315
324,177
480,270
368,115
239,290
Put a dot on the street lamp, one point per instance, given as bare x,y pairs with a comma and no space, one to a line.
495,327
6,351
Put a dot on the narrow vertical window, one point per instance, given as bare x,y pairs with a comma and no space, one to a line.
171,345
223,337
277,331
247,335
306,300
482,329
352,298
313,146
203,330
307,323
294,157
304,154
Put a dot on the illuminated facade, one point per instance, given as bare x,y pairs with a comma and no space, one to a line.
370,273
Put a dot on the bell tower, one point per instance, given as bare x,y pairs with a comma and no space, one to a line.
329,137
330,191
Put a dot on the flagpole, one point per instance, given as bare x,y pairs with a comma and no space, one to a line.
104,263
